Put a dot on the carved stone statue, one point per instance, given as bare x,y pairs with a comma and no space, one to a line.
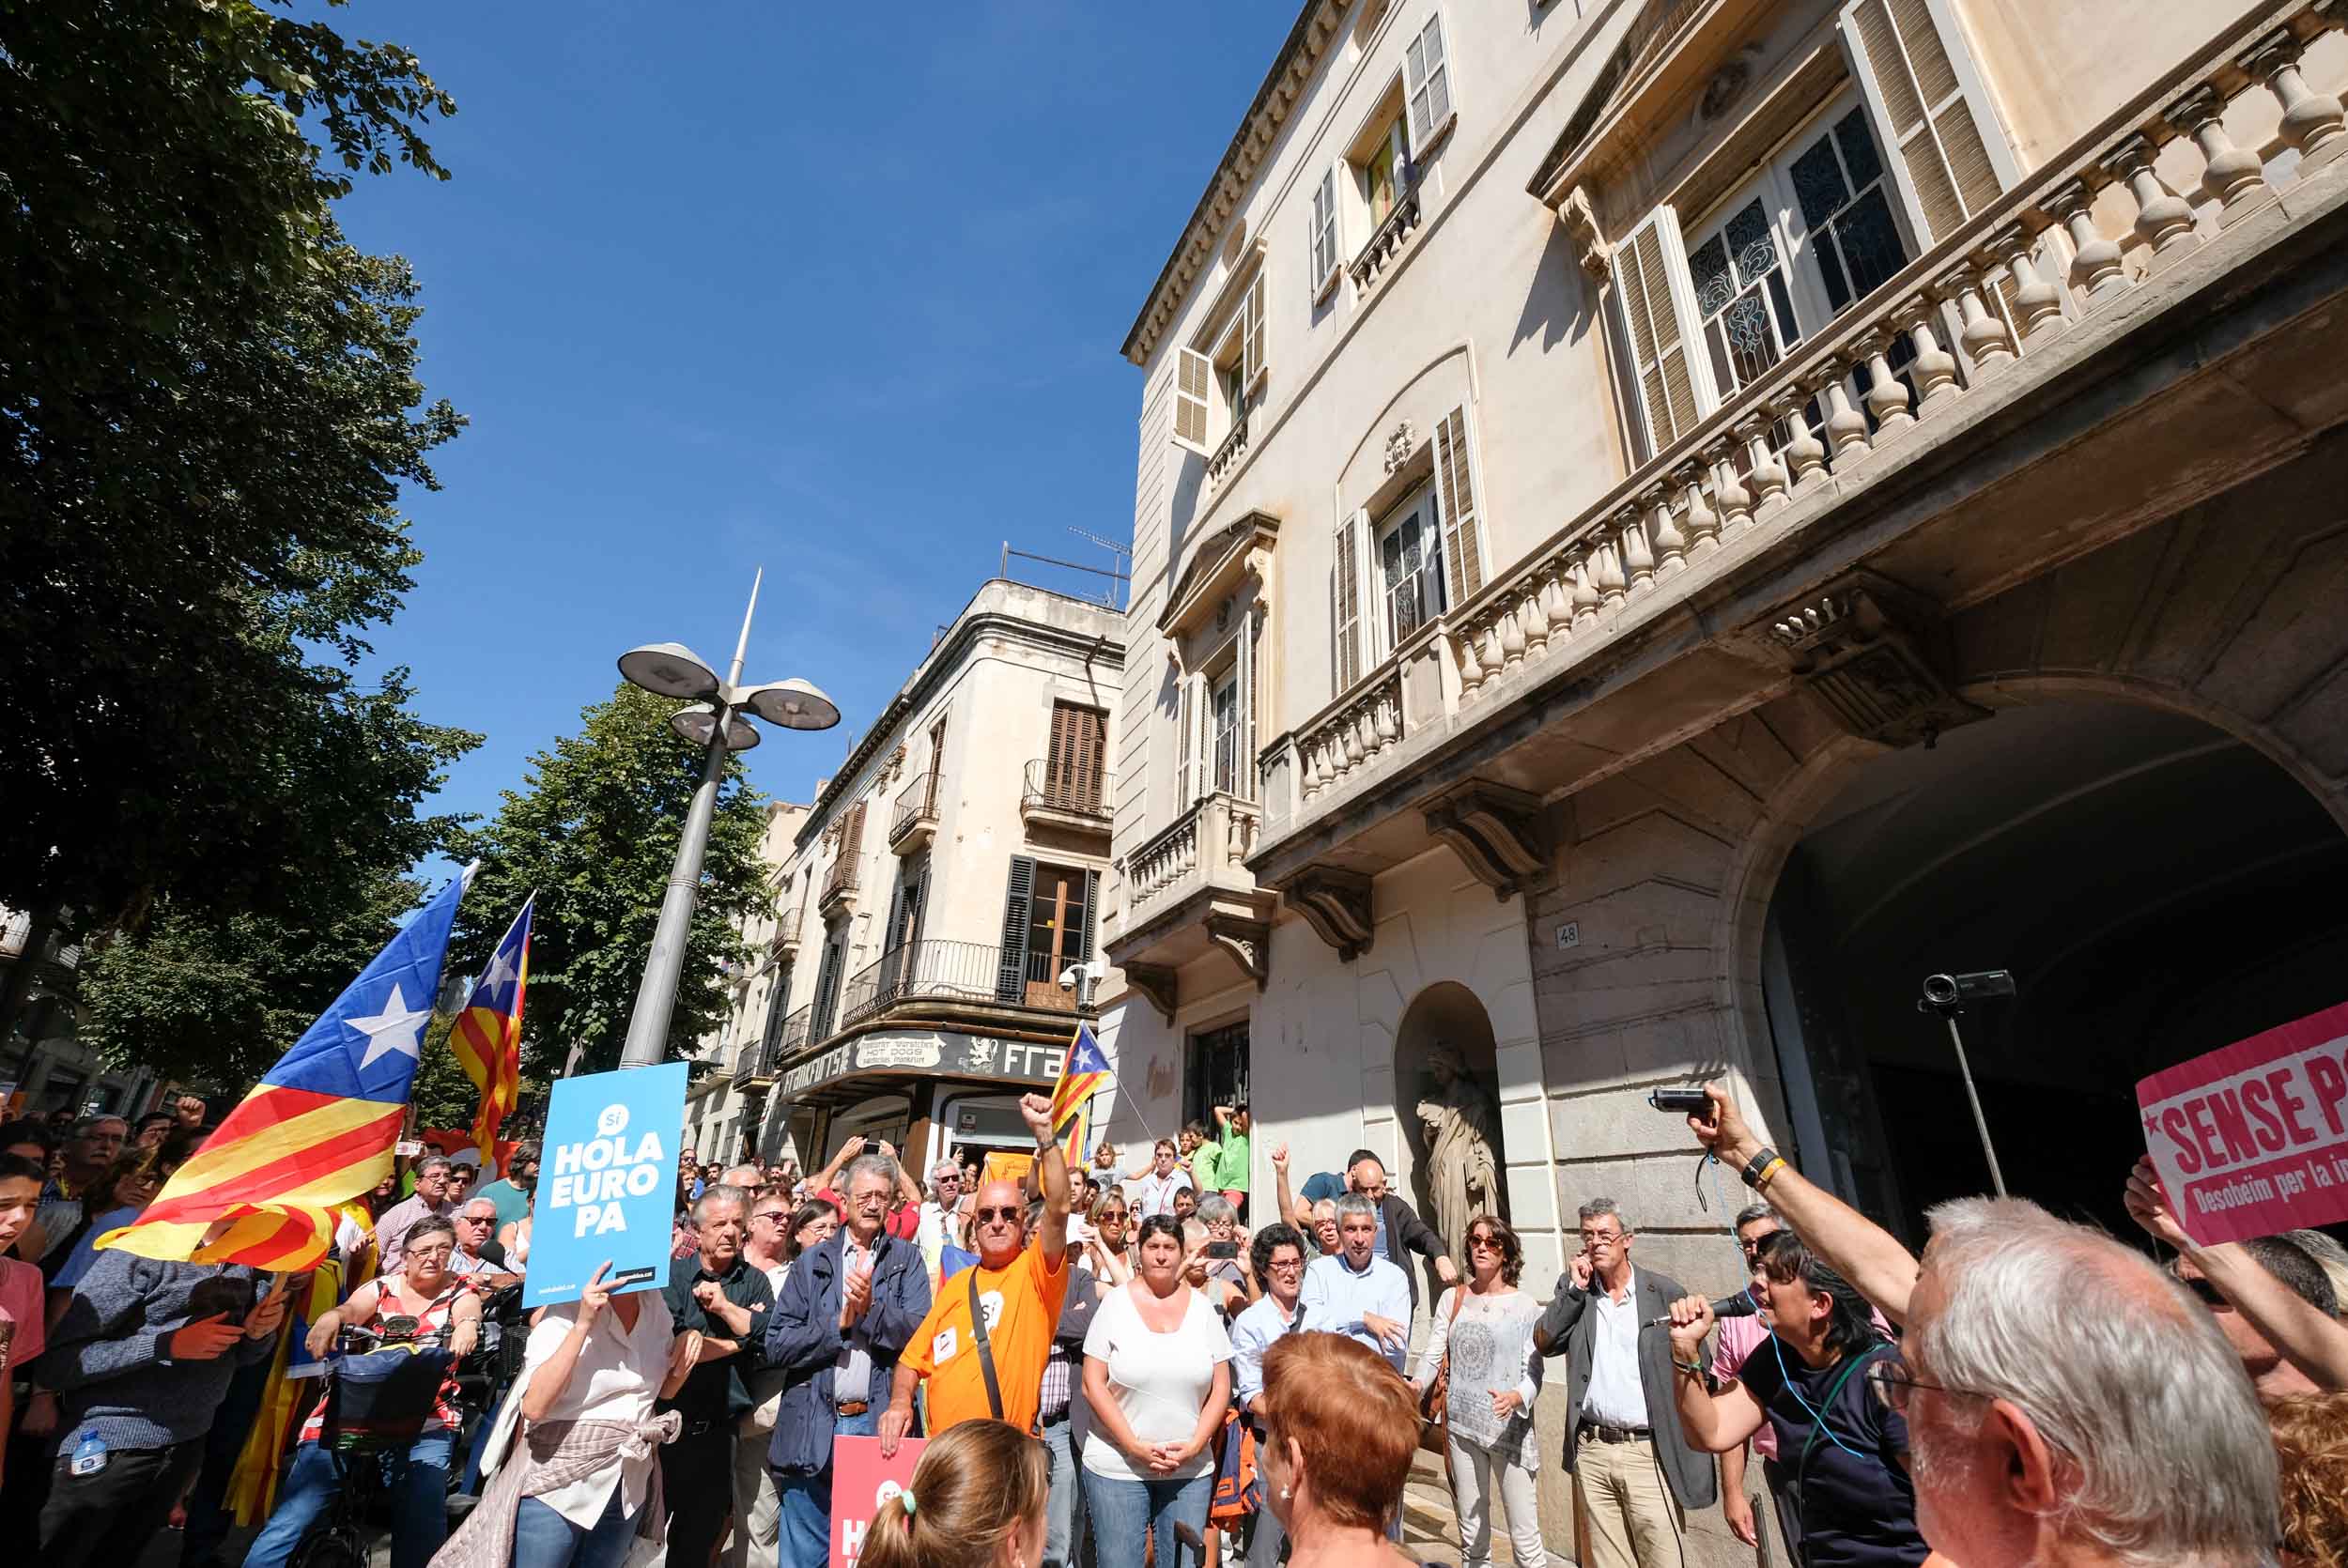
1463,1125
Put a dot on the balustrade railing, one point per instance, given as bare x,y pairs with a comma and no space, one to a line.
1210,843
842,878
1361,726
1234,447
1387,239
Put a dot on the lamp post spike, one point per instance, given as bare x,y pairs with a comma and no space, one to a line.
742,645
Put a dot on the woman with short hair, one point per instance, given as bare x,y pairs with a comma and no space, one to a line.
1339,1428
1157,1375
1810,1380
1486,1325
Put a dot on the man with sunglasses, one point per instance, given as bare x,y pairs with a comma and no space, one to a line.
1016,1290
940,1220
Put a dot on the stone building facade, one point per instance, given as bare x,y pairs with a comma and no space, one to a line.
1660,525
928,902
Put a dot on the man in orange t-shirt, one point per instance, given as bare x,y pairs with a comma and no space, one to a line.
1020,1284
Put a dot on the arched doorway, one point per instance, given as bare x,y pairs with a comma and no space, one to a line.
2158,888
1446,1088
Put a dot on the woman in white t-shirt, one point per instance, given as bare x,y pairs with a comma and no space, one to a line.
583,1478
1157,1376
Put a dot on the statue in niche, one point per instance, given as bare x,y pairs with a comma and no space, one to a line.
1461,1123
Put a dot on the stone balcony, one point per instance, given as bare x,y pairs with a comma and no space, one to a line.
914,822
2146,320
1186,894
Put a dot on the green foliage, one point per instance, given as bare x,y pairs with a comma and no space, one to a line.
593,831
209,406
215,999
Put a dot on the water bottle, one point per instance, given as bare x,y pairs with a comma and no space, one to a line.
89,1455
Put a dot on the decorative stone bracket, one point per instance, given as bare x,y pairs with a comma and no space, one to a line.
1336,905
1496,831
1248,943
1157,982
1871,652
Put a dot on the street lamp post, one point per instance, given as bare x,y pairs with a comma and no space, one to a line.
673,670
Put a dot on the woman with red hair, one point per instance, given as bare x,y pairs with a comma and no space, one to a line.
1339,1428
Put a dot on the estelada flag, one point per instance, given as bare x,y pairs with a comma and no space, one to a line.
1083,1075
487,1038
318,1130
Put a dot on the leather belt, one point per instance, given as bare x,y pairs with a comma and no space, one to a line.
1604,1432
851,1406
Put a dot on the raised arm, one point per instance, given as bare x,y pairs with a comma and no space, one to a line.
829,1175
1854,1246
1052,1169
1715,1422
2298,1331
1285,1199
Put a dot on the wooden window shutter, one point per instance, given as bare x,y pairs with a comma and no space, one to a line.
1654,328
1078,947
1182,795
1344,603
1194,377
1921,85
1324,232
1455,479
1251,655
920,901
896,910
1427,81
1072,772
1251,336
1010,973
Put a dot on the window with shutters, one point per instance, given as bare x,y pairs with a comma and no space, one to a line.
828,978
1047,926
1326,237
1935,113
1222,374
1350,552
1409,565
1072,767
1223,704
1807,236
1426,82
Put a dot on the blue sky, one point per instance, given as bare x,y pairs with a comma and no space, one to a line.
836,291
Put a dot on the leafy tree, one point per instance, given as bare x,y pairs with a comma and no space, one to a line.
593,831
215,999
208,404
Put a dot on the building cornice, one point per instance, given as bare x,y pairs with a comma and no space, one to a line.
1316,25
948,655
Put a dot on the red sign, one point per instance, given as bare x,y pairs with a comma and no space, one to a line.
861,1481
2252,1138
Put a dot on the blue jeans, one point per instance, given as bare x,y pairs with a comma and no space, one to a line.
1124,1512
804,1536
1065,1516
419,1492
545,1539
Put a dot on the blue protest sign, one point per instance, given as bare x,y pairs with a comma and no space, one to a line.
607,1183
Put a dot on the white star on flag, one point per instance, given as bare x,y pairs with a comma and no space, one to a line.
395,1028
502,974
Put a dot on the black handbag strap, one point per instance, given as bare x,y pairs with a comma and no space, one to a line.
986,1351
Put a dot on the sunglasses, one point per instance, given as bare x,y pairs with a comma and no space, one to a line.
1007,1215
774,1219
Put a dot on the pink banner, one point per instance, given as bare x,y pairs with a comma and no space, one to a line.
861,1481
2252,1138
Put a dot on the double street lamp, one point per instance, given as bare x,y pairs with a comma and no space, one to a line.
673,670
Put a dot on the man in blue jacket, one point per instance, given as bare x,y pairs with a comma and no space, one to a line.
845,1314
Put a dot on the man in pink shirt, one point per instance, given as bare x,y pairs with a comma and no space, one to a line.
20,1324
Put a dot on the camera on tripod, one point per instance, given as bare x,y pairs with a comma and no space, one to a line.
1949,994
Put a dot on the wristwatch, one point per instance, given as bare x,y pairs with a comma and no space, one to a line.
1761,1167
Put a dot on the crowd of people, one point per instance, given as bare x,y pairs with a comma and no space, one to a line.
1117,1364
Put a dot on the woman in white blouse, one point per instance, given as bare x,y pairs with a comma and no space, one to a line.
1486,1325
582,1480
1158,1377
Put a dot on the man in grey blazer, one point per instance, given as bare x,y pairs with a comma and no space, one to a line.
1632,1466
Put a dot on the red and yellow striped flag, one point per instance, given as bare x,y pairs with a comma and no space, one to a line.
318,1130
487,1038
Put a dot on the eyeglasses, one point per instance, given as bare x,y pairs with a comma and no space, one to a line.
774,1216
988,1216
1753,1247
1486,1243
1286,1264
440,1252
1889,1380
475,1218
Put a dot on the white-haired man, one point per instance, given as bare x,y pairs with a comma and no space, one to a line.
2068,1405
